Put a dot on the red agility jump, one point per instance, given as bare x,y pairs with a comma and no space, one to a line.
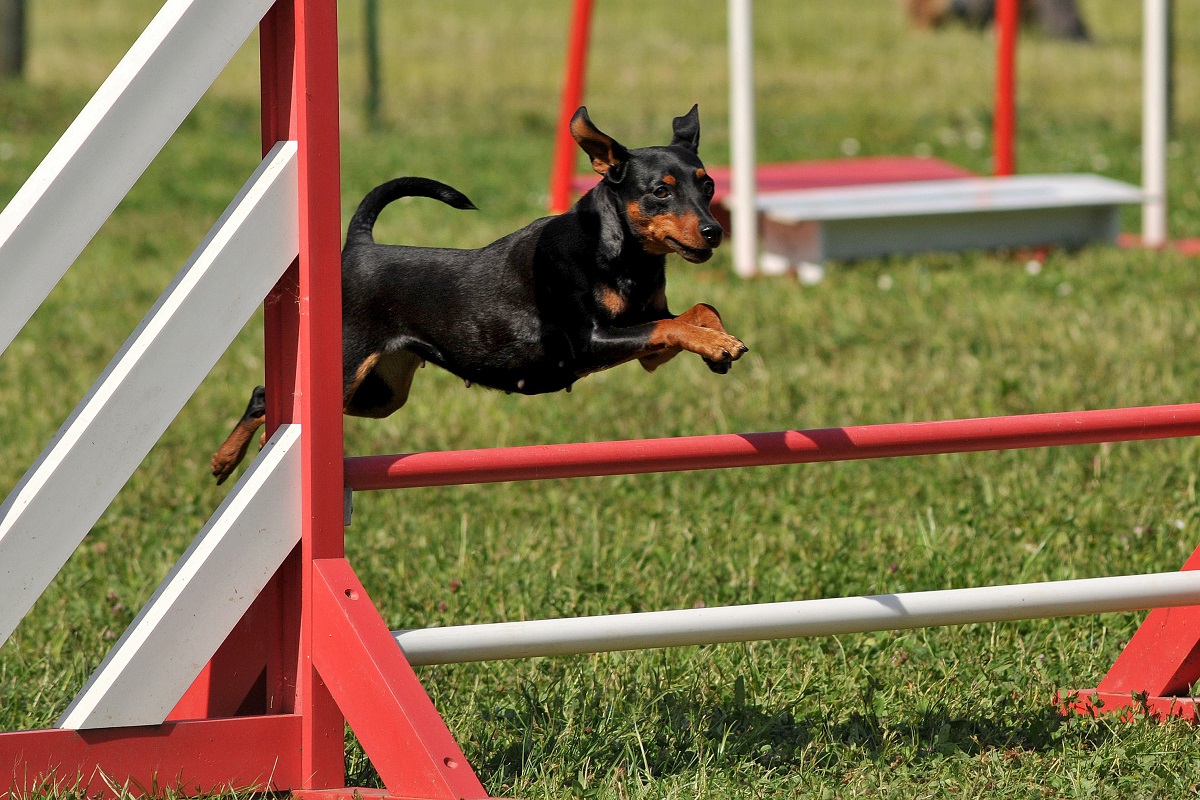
293,647
721,451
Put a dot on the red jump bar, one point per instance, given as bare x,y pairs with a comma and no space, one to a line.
719,451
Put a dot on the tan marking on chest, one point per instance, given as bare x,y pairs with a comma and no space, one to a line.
613,301
360,375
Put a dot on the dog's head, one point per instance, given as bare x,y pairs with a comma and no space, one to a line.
664,192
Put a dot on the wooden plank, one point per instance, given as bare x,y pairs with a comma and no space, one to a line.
989,230
199,757
808,227
158,368
112,141
787,176
795,245
1093,702
959,196
202,599
243,676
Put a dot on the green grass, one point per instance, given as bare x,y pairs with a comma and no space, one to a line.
471,93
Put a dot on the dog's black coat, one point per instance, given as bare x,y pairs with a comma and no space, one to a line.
540,308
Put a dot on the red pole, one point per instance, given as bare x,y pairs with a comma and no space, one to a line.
303,348
572,97
722,451
1004,122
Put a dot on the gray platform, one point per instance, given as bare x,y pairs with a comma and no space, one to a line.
809,226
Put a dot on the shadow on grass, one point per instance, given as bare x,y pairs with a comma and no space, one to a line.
542,740
677,735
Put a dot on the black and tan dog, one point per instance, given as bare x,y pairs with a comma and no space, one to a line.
537,310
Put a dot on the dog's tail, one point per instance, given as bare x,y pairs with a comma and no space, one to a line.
363,222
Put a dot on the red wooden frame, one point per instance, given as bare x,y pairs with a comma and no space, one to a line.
193,757
269,711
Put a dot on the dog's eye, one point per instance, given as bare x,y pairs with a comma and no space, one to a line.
709,188
662,192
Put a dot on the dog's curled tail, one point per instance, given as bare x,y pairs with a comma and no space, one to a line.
363,222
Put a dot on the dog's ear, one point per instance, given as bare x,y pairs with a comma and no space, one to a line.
687,130
612,229
600,214
609,156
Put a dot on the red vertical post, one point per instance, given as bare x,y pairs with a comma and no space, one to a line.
304,379
303,345
1004,119
572,97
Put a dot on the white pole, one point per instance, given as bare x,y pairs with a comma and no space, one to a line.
743,214
1154,122
830,616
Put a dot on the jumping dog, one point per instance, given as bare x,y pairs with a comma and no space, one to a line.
536,310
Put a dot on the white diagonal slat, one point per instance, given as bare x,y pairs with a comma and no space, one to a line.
158,368
132,115
196,606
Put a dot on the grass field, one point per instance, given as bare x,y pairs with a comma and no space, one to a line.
471,91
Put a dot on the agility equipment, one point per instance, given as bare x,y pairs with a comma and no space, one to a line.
261,645
807,212
243,668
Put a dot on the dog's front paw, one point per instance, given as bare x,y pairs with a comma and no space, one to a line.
719,350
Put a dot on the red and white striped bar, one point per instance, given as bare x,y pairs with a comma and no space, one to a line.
720,451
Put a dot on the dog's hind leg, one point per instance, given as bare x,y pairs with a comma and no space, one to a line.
231,453
380,383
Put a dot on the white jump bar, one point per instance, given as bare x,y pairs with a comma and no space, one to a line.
557,637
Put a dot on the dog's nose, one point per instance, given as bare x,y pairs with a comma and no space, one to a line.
712,233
